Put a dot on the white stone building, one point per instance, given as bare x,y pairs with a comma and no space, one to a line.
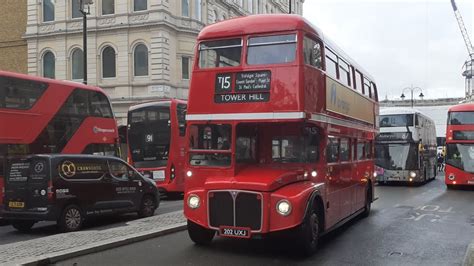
137,50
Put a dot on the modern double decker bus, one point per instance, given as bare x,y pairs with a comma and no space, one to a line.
156,139
281,125
405,148
459,159
39,115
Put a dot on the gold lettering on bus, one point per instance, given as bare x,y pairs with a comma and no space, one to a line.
346,101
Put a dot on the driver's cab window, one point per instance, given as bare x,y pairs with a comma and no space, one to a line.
121,171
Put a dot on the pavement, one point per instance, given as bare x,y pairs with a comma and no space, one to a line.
50,249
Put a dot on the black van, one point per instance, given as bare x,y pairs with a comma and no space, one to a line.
69,188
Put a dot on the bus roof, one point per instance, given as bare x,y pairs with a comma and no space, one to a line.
271,23
398,111
50,81
164,102
465,107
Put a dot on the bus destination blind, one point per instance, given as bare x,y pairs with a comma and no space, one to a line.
243,87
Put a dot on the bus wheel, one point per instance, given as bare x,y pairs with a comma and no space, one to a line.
23,226
199,234
147,207
71,219
450,187
368,202
309,232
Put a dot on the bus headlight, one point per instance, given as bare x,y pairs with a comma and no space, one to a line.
283,207
375,174
314,174
451,177
412,174
194,201
189,173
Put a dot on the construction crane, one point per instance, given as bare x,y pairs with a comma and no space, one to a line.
469,64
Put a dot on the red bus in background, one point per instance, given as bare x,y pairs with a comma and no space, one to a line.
155,137
280,129
459,157
39,115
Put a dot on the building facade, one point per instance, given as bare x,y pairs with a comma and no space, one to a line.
137,50
13,48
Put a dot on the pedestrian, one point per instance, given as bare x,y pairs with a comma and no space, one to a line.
440,162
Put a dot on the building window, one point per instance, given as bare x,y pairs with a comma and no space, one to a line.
185,67
77,63
139,5
185,8
76,9
49,65
140,60
259,5
48,10
216,16
250,6
108,62
108,7
197,9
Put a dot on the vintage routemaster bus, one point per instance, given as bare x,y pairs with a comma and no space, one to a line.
156,139
405,148
459,168
39,115
280,129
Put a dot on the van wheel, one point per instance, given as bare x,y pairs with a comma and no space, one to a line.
23,226
368,203
71,219
199,234
147,207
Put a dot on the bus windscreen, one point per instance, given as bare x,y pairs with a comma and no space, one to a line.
149,136
397,156
461,156
277,49
461,118
400,120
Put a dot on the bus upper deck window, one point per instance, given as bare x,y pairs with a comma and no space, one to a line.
222,53
278,49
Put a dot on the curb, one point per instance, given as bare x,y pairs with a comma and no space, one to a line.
469,257
55,257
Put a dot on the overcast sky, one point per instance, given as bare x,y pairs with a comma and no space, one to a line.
400,42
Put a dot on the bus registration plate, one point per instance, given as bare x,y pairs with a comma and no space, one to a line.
237,232
159,175
16,204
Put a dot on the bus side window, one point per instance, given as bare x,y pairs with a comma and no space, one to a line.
368,150
331,64
360,150
353,149
345,155
332,150
312,52
181,113
358,82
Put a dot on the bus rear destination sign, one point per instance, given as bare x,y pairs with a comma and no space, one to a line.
244,87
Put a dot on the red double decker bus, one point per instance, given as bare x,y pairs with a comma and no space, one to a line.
39,115
156,132
281,127
459,159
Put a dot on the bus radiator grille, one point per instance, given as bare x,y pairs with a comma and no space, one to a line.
235,208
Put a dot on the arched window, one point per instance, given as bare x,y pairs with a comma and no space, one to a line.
48,10
108,62
139,5
140,60
49,63
77,64
216,16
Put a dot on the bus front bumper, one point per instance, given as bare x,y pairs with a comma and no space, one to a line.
400,176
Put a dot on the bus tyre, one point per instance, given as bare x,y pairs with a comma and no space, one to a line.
147,207
71,219
23,226
309,232
200,235
450,187
368,203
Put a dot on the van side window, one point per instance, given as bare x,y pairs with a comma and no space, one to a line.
120,171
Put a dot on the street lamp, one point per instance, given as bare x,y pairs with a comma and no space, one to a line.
85,10
412,89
